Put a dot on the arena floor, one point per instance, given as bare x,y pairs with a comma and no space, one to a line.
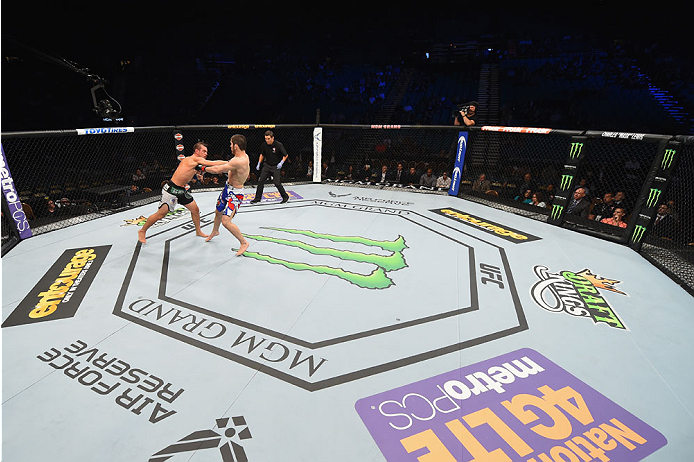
360,325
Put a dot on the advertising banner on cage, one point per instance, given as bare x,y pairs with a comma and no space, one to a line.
104,130
459,162
317,153
12,197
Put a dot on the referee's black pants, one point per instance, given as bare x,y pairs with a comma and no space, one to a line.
265,172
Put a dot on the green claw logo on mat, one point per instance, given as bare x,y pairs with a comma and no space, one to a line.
378,279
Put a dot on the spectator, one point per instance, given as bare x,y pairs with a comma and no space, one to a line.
583,183
603,209
428,178
481,184
538,200
309,170
619,199
527,183
138,175
365,174
617,218
663,223
411,177
326,171
350,173
578,205
398,174
51,209
384,176
549,193
444,181
526,197
197,179
672,211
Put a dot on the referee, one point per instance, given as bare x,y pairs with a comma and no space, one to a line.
274,155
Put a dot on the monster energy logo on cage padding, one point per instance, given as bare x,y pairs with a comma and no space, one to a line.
653,196
566,181
377,279
638,233
668,157
575,150
556,211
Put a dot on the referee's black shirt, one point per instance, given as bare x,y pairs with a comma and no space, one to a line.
273,153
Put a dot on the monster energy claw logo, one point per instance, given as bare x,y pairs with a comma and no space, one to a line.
556,211
566,181
377,279
668,156
576,149
653,197
638,233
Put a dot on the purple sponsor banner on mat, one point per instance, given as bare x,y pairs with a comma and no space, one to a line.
21,223
273,196
519,406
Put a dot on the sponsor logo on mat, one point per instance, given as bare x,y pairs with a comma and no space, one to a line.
131,388
60,291
519,406
505,232
578,294
229,449
393,260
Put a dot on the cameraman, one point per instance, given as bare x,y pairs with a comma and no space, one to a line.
466,114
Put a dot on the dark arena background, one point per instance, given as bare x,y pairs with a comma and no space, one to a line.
430,291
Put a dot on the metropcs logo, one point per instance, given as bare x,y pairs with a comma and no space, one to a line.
577,294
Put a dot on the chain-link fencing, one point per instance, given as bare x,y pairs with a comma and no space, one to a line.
670,242
396,155
602,183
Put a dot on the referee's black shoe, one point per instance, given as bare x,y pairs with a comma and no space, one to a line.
285,199
254,201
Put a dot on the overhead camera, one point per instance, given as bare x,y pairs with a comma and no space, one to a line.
103,105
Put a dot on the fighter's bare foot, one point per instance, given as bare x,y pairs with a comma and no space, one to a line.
141,236
242,249
212,234
201,234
